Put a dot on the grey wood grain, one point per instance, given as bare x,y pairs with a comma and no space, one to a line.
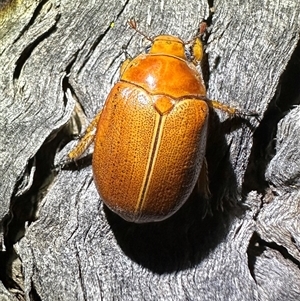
59,56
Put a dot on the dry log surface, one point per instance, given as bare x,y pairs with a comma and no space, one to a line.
58,61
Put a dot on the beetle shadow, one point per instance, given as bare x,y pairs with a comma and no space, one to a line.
186,238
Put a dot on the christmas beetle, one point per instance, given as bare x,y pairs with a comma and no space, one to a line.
151,134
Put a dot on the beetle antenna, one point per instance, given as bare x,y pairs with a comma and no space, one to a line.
132,23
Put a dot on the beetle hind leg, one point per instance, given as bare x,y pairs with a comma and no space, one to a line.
202,188
86,140
203,182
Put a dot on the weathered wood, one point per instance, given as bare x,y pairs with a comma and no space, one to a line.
54,56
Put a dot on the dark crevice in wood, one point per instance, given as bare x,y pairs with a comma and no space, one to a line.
80,275
24,182
122,10
24,205
13,225
100,37
25,201
3,264
210,3
256,248
29,49
211,12
33,294
205,65
66,85
282,250
8,272
32,20
289,83
264,138
93,47
204,62
65,82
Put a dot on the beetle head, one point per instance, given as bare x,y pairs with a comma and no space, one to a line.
163,44
169,45
172,45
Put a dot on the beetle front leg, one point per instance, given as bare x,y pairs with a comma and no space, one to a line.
86,140
214,104
197,51
220,106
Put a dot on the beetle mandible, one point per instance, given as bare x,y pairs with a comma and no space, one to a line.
151,134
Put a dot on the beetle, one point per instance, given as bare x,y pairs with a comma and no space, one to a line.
151,134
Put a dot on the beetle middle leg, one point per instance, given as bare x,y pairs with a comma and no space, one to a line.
86,140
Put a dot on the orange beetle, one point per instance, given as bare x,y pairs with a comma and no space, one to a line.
151,134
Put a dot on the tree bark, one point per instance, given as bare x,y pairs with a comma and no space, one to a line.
58,62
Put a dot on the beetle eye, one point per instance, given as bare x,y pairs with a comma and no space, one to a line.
147,48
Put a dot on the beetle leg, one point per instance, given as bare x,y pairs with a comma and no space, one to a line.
124,65
230,110
203,182
197,47
220,106
197,50
86,140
